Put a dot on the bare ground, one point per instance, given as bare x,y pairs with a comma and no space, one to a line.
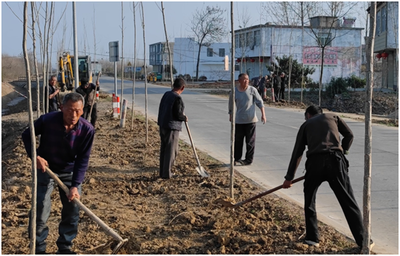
176,216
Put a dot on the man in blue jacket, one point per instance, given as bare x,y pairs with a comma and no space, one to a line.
65,144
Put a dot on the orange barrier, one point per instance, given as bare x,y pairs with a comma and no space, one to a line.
115,101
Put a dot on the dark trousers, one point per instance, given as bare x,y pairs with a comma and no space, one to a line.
282,93
68,227
93,117
276,93
168,151
333,168
245,132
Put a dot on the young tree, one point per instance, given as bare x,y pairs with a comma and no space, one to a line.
134,63
368,132
208,25
145,80
168,48
34,17
33,147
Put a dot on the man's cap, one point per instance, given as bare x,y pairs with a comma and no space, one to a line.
84,80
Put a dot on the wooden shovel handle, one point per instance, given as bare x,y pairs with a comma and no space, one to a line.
266,192
106,228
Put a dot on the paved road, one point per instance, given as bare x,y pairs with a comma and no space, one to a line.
210,128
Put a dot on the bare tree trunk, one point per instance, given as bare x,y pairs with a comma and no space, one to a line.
145,80
33,138
134,63
198,61
320,76
35,60
233,116
289,76
76,55
122,54
44,66
368,134
168,48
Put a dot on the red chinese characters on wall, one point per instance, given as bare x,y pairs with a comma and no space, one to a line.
312,55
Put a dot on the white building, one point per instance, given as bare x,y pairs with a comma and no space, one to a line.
386,45
211,59
257,46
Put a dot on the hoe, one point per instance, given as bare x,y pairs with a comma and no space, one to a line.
227,203
106,228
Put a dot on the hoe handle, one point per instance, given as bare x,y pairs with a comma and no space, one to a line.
266,192
106,228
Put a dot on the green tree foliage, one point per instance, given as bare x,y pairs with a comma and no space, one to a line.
295,81
340,85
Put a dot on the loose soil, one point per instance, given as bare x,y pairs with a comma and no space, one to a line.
176,216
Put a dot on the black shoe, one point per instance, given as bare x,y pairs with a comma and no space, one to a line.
239,162
246,162
371,244
65,251
311,243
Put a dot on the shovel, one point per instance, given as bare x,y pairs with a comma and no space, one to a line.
227,203
200,168
106,228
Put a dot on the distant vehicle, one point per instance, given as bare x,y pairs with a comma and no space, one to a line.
153,77
66,70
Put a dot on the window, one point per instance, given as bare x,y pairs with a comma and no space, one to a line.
324,39
257,37
381,19
210,52
249,39
378,22
221,52
237,41
241,40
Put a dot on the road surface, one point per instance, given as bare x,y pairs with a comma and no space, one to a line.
210,128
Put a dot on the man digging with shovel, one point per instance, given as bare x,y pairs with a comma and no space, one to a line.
325,162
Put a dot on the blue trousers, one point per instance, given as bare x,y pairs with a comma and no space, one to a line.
68,227
333,168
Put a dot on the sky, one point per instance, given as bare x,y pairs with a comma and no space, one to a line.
102,21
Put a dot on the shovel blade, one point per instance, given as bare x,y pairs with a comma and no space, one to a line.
202,172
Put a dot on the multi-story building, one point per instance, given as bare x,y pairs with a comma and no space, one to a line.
211,63
159,57
386,45
257,46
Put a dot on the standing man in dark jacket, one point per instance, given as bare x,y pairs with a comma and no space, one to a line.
276,80
53,94
88,91
325,162
282,89
65,144
170,118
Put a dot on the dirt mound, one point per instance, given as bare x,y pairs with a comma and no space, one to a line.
176,216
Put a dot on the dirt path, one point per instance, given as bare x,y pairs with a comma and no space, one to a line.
177,216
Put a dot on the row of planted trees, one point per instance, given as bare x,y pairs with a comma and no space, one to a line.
45,41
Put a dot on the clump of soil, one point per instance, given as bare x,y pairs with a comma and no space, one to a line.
176,216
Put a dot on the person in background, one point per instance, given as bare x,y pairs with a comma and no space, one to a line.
66,141
326,161
88,91
276,81
246,100
53,94
282,87
170,118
